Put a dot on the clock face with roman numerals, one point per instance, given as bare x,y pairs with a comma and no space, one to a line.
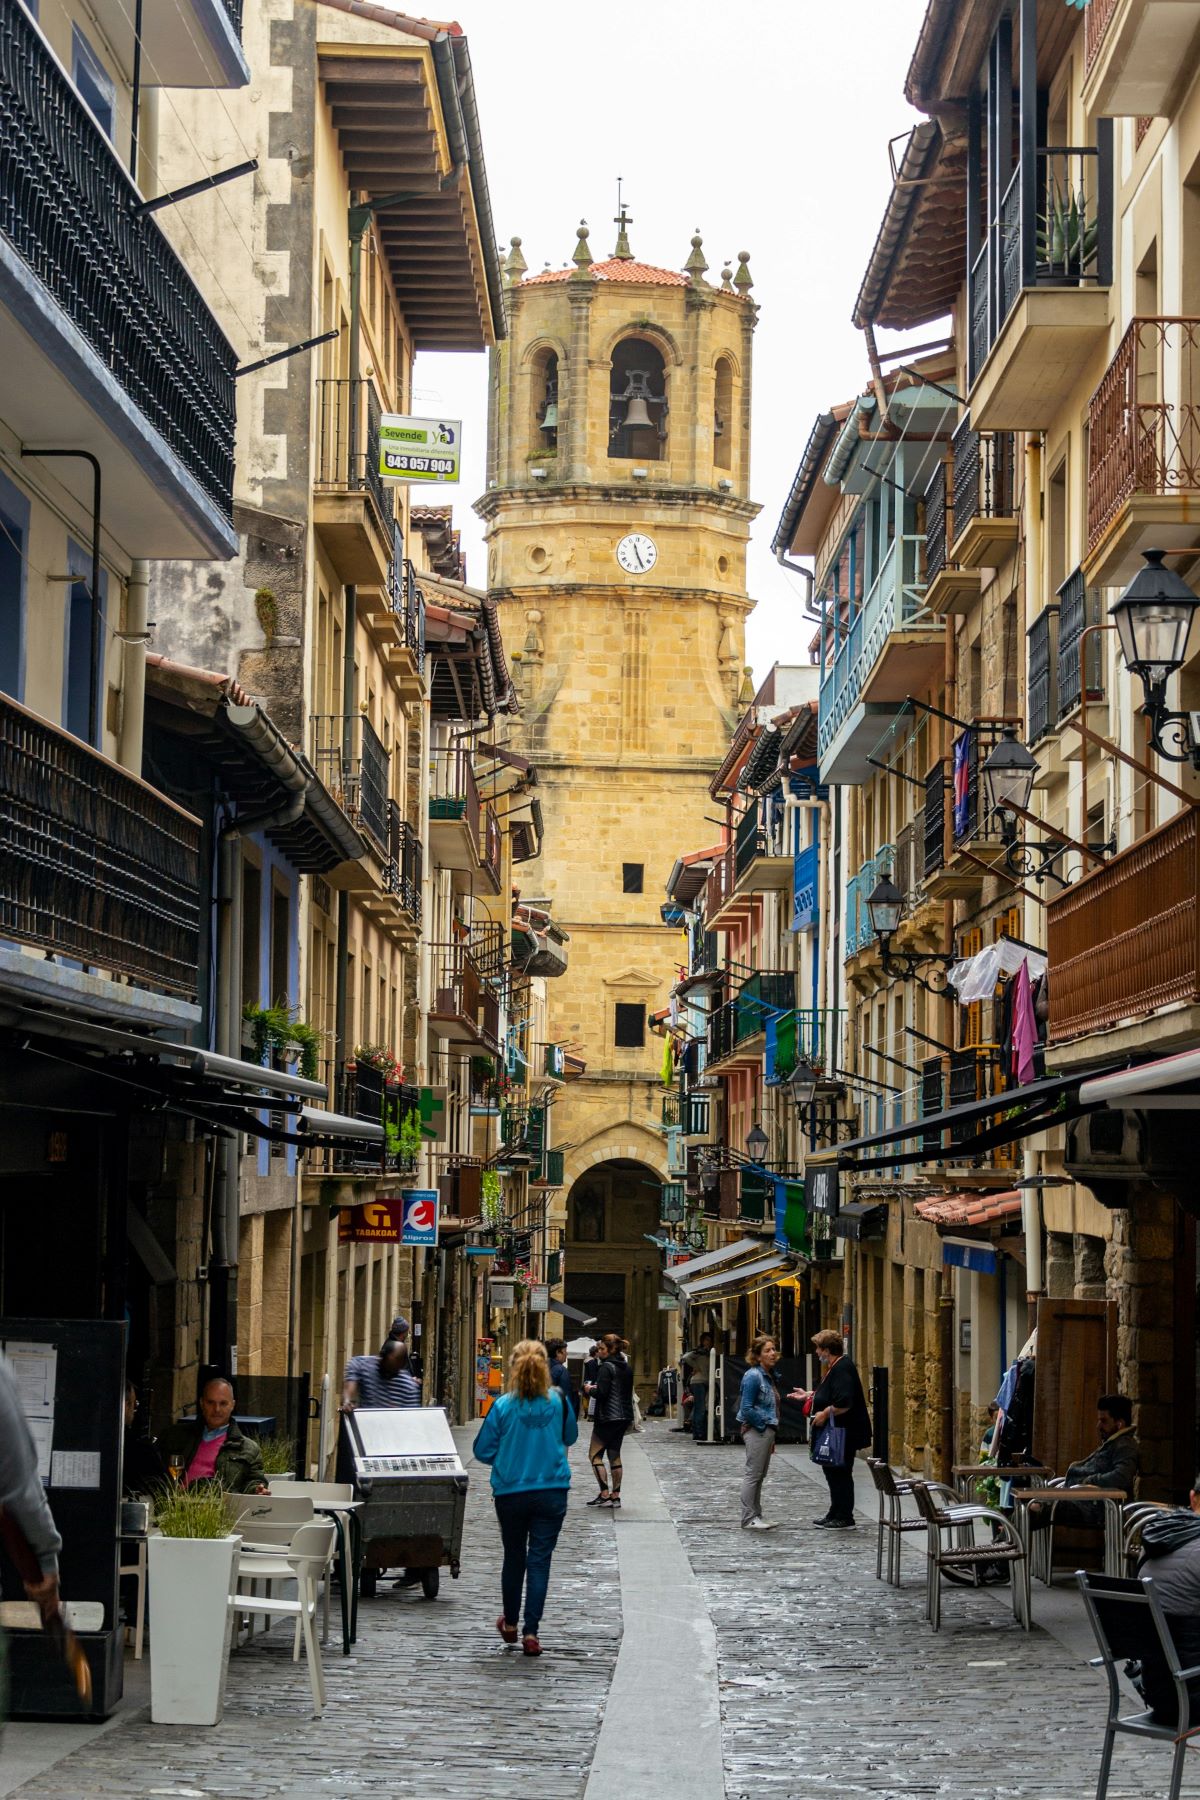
637,553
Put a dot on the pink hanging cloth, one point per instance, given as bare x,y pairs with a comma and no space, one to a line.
1024,1027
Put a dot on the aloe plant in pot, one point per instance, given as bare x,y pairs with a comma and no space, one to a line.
1067,238
192,1572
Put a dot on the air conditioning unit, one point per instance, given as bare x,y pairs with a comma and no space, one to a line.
1112,1150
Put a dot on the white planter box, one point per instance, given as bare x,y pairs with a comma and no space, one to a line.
191,1622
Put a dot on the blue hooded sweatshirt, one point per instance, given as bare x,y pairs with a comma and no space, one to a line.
526,1443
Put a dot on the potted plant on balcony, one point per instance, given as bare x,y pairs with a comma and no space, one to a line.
192,1575
404,1142
279,1030
378,1056
1067,238
491,1203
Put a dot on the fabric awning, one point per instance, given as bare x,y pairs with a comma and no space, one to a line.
572,1313
710,1258
861,1220
729,1282
1030,1104
1143,1078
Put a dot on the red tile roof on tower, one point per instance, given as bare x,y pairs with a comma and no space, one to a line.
618,268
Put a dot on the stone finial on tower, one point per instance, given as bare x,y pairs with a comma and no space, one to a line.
582,257
695,264
741,280
727,278
746,695
514,264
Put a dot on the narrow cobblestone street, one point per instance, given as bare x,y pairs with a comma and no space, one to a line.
827,1681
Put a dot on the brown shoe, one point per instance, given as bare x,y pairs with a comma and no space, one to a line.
530,1645
507,1632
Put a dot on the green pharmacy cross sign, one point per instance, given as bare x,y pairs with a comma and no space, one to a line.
418,449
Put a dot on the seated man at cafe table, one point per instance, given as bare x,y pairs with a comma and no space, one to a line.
1113,1464
212,1447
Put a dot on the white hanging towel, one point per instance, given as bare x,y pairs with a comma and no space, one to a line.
976,977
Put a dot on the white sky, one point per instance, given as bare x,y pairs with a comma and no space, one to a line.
765,123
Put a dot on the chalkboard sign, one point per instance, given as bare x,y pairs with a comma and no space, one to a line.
71,1378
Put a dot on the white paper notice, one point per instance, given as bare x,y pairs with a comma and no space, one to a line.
42,1433
75,1469
36,1369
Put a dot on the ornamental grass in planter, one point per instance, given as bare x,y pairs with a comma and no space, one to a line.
192,1571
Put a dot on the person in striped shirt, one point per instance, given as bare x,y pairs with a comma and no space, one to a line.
383,1380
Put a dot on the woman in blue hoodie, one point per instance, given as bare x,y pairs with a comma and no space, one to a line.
525,1438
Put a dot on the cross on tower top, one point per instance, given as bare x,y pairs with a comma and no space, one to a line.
623,220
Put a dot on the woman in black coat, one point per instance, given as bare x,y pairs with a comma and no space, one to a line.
838,1396
612,1415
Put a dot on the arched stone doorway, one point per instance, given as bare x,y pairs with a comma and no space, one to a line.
611,1270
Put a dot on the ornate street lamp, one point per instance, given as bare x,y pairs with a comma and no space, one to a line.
885,909
1154,619
757,1143
1008,777
803,1083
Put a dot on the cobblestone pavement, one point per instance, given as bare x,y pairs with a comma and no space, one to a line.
830,1682
429,1703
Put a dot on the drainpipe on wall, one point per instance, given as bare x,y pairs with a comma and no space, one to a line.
1031,1224
226,1210
133,681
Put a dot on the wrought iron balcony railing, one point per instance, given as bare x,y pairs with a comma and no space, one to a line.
983,475
348,415
69,210
453,789
1079,606
95,865
352,762
409,605
1042,638
1144,420
936,524
806,1034
404,865
1052,225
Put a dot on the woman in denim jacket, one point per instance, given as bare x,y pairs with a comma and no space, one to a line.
758,1416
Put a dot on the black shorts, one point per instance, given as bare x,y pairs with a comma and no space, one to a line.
610,1434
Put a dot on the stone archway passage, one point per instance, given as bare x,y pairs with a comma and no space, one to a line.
611,1269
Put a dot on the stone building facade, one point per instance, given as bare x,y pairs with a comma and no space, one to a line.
617,517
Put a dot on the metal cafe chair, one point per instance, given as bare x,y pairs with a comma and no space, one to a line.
892,1522
960,1555
1127,1621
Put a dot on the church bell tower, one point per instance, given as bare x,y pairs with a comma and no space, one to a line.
617,516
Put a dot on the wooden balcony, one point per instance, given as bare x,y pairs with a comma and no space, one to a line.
1123,941
352,509
455,821
1143,482
96,866
1138,56
465,1008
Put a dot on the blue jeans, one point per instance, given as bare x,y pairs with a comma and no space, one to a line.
529,1526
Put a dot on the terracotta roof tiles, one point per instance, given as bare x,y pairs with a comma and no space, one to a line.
618,269
970,1209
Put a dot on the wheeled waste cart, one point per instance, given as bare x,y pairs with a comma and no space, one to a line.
413,1486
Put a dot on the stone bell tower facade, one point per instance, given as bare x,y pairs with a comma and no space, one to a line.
617,522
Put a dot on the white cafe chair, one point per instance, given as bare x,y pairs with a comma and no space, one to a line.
306,1558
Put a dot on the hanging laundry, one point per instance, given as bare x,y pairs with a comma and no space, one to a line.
962,783
1025,1031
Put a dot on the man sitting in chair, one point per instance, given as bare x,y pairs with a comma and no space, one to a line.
1113,1464
1171,1556
211,1447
